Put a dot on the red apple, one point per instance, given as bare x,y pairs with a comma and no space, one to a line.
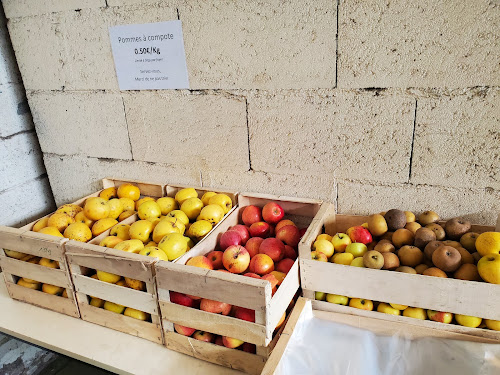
272,213
186,331
181,299
230,342
216,258
244,314
250,274
215,307
289,234
218,341
249,348
284,265
280,276
284,223
272,247
360,234
242,231
203,336
260,229
201,262
251,214
253,245
272,279
290,252
302,231
236,259
261,264
317,255
229,238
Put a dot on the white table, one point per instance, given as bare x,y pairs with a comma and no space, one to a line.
99,346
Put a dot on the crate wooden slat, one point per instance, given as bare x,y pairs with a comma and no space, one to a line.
441,294
378,323
236,290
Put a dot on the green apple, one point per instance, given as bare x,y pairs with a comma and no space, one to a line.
357,249
319,296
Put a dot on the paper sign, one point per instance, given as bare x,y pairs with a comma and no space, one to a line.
149,56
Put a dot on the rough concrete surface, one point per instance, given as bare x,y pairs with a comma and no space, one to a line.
180,128
83,175
87,123
14,110
419,43
480,206
9,73
246,44
21,160
26,202
457,141
23,8
343,133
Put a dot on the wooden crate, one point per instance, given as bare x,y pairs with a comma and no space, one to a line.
85,257
378,323
435,293
236,290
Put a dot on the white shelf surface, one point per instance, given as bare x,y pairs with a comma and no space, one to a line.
102,347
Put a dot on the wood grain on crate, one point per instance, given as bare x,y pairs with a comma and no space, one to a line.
442,294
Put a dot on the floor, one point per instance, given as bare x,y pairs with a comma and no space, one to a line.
21,358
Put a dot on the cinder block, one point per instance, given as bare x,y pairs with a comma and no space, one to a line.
457,140
73,177
245,44
351,135
39,46
175,127
480,206
23,8
21,160
8,65
14,110
418,44
26,202
315,187
87,123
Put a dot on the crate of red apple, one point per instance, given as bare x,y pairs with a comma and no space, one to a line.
226,301
449,266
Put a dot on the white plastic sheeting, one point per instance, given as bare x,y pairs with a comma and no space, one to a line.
324,347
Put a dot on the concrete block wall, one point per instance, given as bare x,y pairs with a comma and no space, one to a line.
25,192
370,104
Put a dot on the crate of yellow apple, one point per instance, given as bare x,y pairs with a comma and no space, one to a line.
412,259
113,273
32,257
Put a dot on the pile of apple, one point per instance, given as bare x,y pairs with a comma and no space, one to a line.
263,247
396,240
411,312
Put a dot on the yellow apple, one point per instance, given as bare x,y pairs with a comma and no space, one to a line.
488,243
81,218
319,296
199,229
52,289
14,254
324,236
135,284
340,242
337,299
78,232
361,303
492,324
174,245
60,221
343,258
114,307
468,321
128,190
35,286
121,231
42,223
141,201
115,208
184,194
222,200
130,246
96,208
180,215
127,204
324,246
167,204
213,213
136,314
110,241
415,312
206,197
149,210
167,226
102,225
151,244
96,302
141,230
49,263
51,231
70,209
387,309
107,277
358,262
489,268
192,207
108,193
399,307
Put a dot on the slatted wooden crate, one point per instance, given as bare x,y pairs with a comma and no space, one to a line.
435,293
84,258
378,323
233,289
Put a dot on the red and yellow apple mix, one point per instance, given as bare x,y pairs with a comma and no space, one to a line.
399,241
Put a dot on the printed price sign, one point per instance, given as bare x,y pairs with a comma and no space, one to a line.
149,56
